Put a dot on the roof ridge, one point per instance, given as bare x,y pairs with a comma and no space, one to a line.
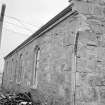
38,32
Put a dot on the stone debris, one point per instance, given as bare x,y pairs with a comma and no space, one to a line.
16,99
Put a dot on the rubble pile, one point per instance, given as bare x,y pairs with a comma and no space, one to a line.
16,99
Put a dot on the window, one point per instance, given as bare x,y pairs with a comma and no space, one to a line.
36,64
6,70
11,71
15,68
20,68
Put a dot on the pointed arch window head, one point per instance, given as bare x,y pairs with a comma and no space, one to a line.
36,48
36,56
7,63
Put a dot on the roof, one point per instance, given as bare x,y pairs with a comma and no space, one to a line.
40,32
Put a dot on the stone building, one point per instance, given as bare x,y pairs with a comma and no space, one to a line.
65,59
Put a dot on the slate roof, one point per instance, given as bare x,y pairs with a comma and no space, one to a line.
41,31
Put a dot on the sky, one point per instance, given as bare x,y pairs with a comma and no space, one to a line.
23,18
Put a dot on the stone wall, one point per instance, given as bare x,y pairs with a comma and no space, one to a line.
90,57
69,67
51,71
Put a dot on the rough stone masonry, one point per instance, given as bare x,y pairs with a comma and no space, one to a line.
67,62
90,57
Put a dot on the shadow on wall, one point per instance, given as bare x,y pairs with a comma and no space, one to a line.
39,97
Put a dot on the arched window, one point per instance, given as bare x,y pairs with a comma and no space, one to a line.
20,68
36,65
12,68
15,68
6,70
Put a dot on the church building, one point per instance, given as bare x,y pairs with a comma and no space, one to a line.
64,59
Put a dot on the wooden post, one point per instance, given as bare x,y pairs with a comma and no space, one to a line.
1,20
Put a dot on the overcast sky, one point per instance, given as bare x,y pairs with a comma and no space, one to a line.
24,17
